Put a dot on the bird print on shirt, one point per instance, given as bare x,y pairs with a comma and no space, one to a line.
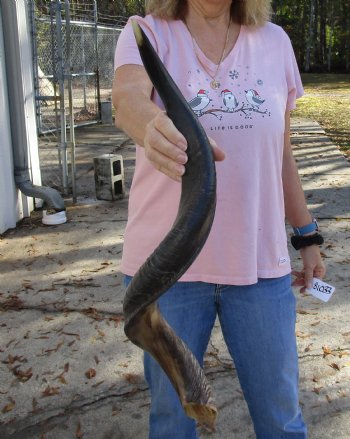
200,102
247,102
253,98
229,100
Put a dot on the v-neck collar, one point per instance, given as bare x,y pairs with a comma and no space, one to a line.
201,55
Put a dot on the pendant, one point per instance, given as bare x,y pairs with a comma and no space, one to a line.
215,84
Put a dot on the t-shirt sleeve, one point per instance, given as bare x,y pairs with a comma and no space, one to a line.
126,51
295,87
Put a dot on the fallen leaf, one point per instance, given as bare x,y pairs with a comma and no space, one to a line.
343,354
12,359
13,302
317,390
335,366
50,391
22,375
27,285
95,270
91,373
56,348
300,334
132,378
303,311
11,341
92,313
45,290
115,410
116,319
77,336
35,405
78,433
327,351
61,378
8,407
308,348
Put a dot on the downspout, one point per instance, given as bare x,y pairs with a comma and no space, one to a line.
15,20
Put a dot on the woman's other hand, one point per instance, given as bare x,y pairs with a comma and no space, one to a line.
313,264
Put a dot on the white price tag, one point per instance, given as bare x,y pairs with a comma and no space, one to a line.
321,290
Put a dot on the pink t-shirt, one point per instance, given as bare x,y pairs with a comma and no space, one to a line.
245,116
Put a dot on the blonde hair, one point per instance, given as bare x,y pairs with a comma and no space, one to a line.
246,12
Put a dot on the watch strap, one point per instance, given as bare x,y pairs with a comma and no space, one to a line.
309,228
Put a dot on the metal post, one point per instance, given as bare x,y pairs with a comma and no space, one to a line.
84,63
61,74
70,98
97,64
54,73
35,65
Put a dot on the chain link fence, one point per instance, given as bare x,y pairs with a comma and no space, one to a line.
73,71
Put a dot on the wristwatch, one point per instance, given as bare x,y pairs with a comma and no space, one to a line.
301,237
309,228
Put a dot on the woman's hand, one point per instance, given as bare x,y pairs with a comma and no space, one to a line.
166,147
313,264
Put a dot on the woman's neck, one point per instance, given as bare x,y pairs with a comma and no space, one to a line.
205,17
212,13
208,23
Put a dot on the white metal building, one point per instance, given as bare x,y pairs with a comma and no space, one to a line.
16,99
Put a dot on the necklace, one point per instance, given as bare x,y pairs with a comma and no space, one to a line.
214,83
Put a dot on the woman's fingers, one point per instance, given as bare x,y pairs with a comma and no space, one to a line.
165,147
219,154
313,264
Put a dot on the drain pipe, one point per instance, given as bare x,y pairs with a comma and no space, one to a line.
21,103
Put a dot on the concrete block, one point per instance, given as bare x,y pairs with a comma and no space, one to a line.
109,177
106,112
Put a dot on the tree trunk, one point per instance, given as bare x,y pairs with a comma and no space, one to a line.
309,42
330,45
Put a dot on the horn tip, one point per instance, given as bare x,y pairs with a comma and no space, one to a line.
137,32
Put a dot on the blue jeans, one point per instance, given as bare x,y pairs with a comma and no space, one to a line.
258,325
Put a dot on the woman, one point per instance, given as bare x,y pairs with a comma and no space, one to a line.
238,73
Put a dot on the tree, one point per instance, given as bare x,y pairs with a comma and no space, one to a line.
319,29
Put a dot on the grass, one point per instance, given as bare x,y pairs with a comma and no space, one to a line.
327,100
